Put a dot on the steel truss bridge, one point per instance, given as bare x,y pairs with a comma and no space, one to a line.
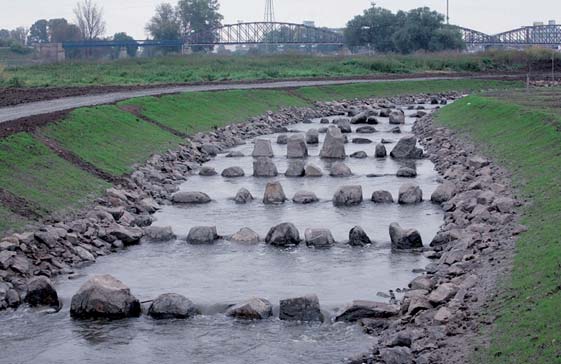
537,35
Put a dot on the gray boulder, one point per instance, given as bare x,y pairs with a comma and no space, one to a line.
443,192
344,125
348,196
296,168
340,169
104,297
396,355
305,309
233,172
397,117
282,139
357,237
324,121
283,235
382,197
245,236
406,172
312,136
406,148
235,154
410,193
158,233
312,170
360,118
304,198
264,167
252,309
172,306
405,239
366,130
361,141
207,171
274,194
190,198
41,292
210,149
296,147
359,310
262,148
243,196
202,235
334,145
381,151
359,155
319,238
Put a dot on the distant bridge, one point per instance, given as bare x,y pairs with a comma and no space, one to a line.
537,35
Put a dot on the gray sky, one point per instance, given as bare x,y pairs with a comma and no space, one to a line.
491,16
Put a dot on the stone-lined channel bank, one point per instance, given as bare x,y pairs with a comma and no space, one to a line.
305,209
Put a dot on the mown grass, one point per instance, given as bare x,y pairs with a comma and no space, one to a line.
10,221
30,170
527,141
194,112
111,139
205,68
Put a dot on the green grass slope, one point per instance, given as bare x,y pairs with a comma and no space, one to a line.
528,142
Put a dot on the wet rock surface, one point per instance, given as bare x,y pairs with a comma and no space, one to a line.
172,306
304,309
253,309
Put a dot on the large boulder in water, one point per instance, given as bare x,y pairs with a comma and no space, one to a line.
233,172
274,194
264,167
104,297
312,170
283,235
304,198
158,233
190,198
245,236
443,192
202,235
366,310
405,239
382,197
172,306
312,136
409,194
296,147
406,148
334,145
340,169
305,309
41,292
344,125
207,171
243,197
282,139
381,151
357,237
253,309
348,196
296,168
319,238
397,117
262,148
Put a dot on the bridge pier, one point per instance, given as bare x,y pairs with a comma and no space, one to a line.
123,53
186,50
51,52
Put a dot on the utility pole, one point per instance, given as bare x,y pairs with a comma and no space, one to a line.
269,11
448,12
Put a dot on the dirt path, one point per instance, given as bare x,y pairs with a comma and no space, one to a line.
51,106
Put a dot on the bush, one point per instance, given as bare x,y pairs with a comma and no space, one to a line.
19,49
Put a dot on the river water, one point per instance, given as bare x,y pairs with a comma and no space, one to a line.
215,276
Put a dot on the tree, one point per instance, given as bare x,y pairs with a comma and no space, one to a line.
199,16
124,37
165,25
374,28
90,19
446,38
38,33
62,31
19,36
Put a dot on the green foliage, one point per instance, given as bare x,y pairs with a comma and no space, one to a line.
38,33
110,139
10,221
124,37
526,140
199,16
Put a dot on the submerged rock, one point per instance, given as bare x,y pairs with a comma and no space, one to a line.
305,309
158,233
359,155
405,239
283,235
406,172
245,236
190,198
207,171
319,238
233,172
172,306
202,235
252,309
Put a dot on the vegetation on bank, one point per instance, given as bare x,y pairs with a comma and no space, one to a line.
524,135
212,68
114,140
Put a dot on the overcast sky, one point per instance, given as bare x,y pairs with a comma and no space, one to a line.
490,16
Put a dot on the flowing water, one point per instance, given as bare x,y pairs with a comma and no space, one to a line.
226,273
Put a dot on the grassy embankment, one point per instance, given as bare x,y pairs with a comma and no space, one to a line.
205,68
114,140
523,132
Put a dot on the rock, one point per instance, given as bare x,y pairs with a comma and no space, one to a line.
372,121
245,236
443,293
159,233
366,130
283,235
395,130
296,168
274,194
172,306
348,196
264,167
478,162
324,121
304,198
235,154
359,155
41,292
207,171
104,297
386,141
313,171
504,205
305,309
422,282
443,192
83,254
233,172
340,169
418,304
190,198
282,139
410,193
397,355
382,197
312,136
210,149
361,141
381,151
405,239
262,148
443,315
406,148
202,235
359,118
243,196
319,238
406,172
296,147
357,237
128,235
334,145
397,117
366,309
344,125
253,309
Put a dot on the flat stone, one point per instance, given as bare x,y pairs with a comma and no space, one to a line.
235,154
359,155
366,309
190,198
366,130
361,141
406,172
